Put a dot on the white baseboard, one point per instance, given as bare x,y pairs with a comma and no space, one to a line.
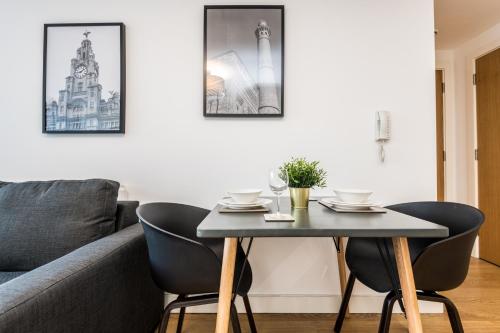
265,303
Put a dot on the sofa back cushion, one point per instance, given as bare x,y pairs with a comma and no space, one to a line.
42,221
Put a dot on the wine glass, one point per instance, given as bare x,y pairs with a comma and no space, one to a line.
278,182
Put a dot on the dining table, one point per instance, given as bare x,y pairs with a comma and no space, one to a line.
319,221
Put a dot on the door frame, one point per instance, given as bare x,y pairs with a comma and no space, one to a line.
446,63
445,182
447,190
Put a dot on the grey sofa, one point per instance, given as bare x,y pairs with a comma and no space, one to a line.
78,269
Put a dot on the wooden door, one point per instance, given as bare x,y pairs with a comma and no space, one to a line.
440,152
488,153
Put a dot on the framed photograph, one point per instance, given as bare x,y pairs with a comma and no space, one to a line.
84,78
243,61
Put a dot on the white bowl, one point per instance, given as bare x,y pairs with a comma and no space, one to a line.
353,195
245,195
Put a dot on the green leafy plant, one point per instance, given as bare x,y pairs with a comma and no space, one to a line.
304,174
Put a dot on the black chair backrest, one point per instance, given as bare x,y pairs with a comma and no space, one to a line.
176,255
443,265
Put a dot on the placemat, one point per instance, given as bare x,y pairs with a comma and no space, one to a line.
250,210
364,211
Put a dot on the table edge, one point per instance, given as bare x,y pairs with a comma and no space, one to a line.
409,233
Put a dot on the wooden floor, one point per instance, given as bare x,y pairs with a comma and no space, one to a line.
478,301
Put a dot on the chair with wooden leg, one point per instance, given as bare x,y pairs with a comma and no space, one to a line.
438,264
188,266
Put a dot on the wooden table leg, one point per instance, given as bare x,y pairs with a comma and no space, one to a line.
405,273
226,285
342,270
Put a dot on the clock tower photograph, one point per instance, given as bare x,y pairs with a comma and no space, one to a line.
84,78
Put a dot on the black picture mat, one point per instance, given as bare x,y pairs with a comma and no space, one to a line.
121,130
280,7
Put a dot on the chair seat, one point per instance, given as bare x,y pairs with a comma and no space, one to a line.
7,276
364,261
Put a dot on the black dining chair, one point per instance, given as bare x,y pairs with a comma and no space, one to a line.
188,266
438,264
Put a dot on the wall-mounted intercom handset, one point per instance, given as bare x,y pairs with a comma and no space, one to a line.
382,131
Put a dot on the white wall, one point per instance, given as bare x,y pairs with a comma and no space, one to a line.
465,57
344,61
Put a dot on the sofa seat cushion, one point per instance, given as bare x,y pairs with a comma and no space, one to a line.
42,221
6,276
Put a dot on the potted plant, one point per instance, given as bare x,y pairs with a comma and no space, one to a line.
302,176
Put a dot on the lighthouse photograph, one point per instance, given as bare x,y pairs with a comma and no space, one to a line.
84,78
243,69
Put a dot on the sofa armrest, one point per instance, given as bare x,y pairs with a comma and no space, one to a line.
125,214
104,286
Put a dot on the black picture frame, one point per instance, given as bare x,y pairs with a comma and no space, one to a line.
282,65
122,57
